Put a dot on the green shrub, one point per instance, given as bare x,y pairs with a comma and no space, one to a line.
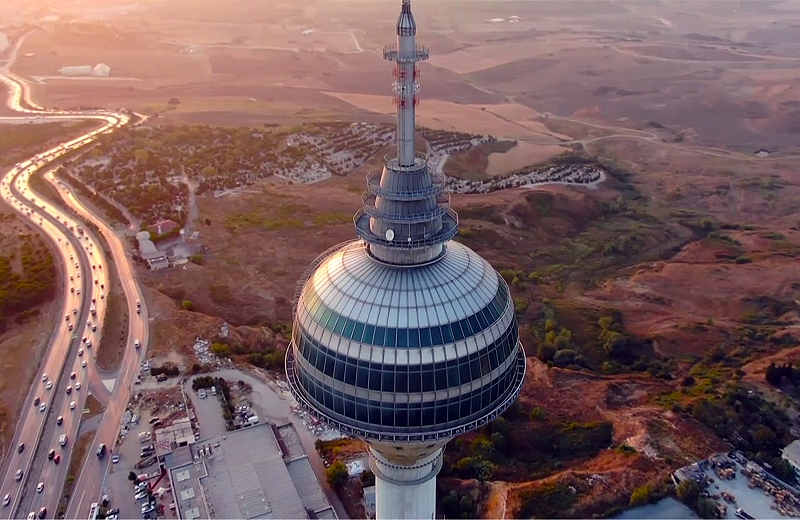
640,496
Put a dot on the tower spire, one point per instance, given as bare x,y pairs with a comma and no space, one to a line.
406,218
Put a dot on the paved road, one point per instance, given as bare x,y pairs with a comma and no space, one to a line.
39,429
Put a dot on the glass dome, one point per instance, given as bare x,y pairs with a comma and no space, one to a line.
411,353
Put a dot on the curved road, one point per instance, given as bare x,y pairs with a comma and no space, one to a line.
83,260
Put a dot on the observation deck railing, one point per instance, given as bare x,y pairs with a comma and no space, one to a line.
447,232
420,53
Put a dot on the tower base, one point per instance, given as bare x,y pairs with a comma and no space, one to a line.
405,491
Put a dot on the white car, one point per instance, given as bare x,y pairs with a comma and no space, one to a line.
49,385
18,475
137,343
6,499
77,386
83,363
72,405
40,487
42,407
80,352
44,376
114,460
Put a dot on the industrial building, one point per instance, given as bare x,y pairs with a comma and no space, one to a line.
147,250
100,70
404,338
248,473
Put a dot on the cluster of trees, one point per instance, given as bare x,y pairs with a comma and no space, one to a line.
202,382
688,491
525,439
21,293
751,424
100,201
459,506
167,369
776,374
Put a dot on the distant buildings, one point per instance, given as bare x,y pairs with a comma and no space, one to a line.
100,70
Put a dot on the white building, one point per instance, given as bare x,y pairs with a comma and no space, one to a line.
101,70
77,70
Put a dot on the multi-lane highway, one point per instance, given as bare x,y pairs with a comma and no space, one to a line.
86,280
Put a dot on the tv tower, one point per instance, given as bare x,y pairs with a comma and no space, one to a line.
402,337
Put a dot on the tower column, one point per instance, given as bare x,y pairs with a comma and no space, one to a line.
405,491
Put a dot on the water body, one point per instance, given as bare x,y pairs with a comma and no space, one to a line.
664,508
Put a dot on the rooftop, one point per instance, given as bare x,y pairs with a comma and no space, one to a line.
177,434
245,474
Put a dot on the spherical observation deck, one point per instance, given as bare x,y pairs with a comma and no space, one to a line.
405,355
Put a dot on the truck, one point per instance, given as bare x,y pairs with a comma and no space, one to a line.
101,451
252,420
144,437
93,309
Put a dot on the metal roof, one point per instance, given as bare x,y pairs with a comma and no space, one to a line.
241,475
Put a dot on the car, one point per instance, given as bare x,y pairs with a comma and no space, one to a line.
89,344
70,327
51,454
72,405
36,401
83,339
71,289
76,265
21,447
96,282
73,375
78,292
44,378
69,390
18,475
138,310
94,266
78,385
94,328
71,257
94,300
6,499
102,295
102,286
40,487
114,511
88,323
140,495
49,385
60,420
42,407
137,343
147,508
57,459
62,441
31,516
75,311
66,318
83,364
71,278
115,459
42,512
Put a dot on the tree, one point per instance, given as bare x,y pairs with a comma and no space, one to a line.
546,351
220,349
336,474
174,101
640,496
537,414
209,171
688,490
188,305
765,439
706,508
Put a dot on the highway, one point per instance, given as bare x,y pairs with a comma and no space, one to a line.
85,270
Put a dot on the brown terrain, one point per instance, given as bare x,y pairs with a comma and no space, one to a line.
692,243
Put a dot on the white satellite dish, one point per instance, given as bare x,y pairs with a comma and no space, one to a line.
389,235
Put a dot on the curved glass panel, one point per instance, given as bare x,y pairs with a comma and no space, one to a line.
391,337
